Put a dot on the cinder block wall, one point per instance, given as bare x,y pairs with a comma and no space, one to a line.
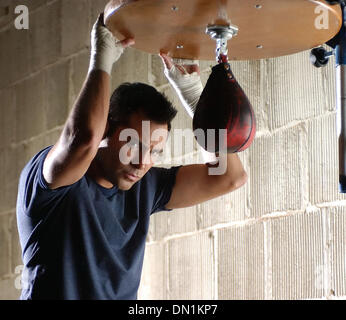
281,236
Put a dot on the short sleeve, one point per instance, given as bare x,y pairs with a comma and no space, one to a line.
163,179
33,190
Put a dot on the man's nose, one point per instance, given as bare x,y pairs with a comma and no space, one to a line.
142,160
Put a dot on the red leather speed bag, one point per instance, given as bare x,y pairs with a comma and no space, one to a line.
224,105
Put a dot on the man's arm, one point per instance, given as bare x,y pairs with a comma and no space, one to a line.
77,146
84,129
194,185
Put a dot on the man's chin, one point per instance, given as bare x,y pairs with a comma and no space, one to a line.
125,185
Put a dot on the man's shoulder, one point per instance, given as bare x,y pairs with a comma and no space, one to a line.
31,176
34,164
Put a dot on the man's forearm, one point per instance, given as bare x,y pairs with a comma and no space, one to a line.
228,171
88,118
235,172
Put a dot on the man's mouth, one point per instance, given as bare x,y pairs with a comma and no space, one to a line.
130,176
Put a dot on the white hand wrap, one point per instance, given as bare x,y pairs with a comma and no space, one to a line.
105,50
188,86
189,89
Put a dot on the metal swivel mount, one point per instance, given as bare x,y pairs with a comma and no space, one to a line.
319,57
222,33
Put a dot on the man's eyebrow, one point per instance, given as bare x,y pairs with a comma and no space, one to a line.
160,150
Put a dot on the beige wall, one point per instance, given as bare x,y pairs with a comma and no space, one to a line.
281,236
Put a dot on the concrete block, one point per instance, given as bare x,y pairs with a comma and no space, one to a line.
191,267
78,71
157,77
25,151
206,65
57,91
39,45
337,247
97,6
230,207
2,175
6,12
22,50
8,289
158,226
8,178
8,117
182,220
14,55
251,77
16,251
277,171
44,35
151,230
297,256
7,9
241,269
290,78
31,107
163,224
154,275
32,5
51,138
26,50
75,33
323,160
182,119
5,245
181,147
131,67
11,178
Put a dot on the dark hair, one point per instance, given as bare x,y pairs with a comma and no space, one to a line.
129,98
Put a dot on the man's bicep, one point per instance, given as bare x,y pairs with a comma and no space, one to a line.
65,165
194,185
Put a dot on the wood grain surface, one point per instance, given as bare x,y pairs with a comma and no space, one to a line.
267,28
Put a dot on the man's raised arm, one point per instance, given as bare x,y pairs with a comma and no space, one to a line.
71,156
194,184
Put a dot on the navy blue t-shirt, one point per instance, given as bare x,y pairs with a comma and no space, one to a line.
84,241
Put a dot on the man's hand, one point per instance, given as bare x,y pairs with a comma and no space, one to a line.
105,48
184,76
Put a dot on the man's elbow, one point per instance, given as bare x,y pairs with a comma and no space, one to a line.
238,182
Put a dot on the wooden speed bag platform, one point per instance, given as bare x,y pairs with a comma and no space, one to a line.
267,28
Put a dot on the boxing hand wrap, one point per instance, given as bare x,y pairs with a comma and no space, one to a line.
189,89
188,86
105,49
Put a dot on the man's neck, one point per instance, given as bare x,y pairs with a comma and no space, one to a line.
96,173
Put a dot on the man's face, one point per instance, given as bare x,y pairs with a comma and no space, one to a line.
132,150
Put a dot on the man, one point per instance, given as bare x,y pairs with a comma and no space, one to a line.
84,204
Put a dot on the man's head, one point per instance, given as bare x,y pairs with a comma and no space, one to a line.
138,124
